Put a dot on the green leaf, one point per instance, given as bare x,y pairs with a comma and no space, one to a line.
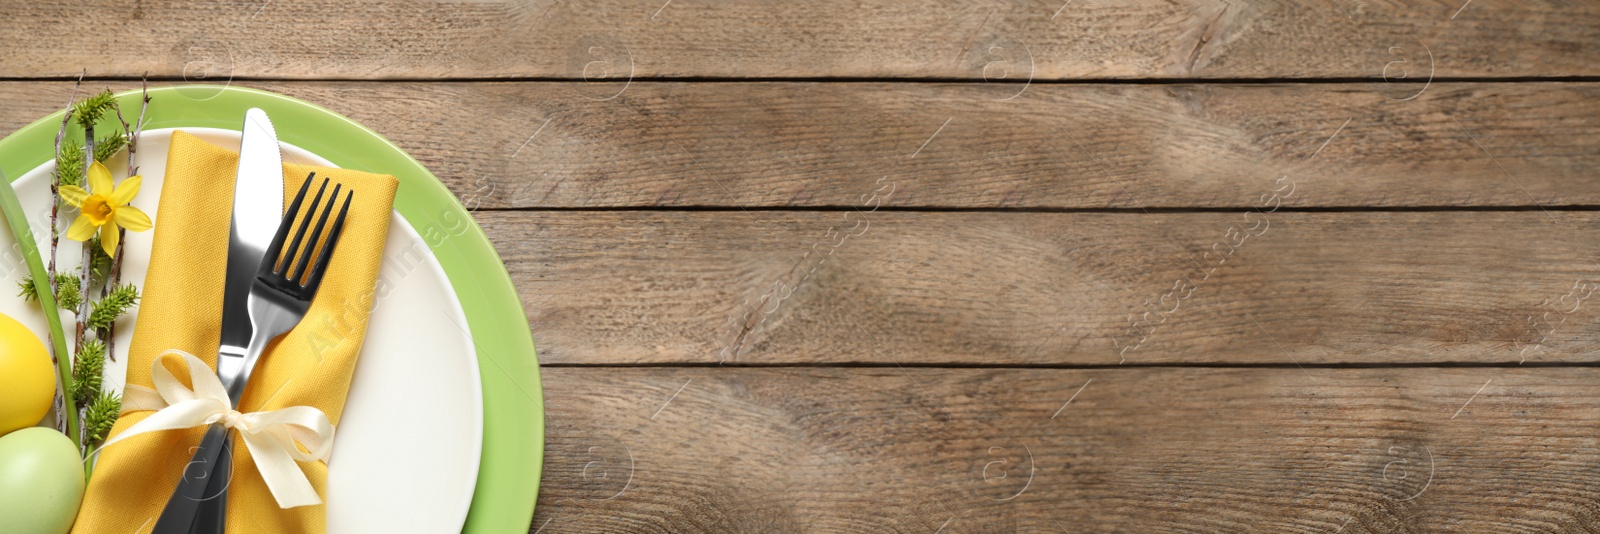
22,234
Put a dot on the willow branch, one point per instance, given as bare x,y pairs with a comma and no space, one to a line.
86,266
114,278
62,418
55,181
133,139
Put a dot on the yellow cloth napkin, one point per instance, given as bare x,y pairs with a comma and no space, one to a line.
181,309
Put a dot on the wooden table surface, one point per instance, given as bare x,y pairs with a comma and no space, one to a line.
928,266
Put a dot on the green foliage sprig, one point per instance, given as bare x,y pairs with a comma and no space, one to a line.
108,309
87,112
99,262
69,165
87,373
109,145
82,397
101,408
68,294
102,413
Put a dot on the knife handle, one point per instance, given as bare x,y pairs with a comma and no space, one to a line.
180,512
212,517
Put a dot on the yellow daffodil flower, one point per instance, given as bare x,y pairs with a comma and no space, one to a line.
104,208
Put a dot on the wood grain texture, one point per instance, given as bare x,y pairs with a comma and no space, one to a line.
772,362
1054,288
1047,39
1489,450
556,145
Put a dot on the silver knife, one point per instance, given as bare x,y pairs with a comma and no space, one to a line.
257,210
197,505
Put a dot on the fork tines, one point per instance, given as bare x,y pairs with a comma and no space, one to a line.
277,272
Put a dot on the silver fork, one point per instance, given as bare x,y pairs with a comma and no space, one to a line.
278,300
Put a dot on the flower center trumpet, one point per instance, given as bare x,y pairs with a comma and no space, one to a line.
104,208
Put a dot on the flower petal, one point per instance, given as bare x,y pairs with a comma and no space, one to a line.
74,195
108,239
131,218
125,191
82,229
100,179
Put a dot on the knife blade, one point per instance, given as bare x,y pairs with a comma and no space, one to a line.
257,209
198,503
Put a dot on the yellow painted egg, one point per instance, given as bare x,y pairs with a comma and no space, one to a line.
41,481
27,379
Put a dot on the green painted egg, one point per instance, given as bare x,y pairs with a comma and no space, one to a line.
41,481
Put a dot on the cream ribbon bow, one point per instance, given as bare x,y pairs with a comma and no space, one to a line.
275,438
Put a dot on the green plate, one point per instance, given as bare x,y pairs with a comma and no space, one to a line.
513,406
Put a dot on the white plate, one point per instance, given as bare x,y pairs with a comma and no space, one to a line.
405,458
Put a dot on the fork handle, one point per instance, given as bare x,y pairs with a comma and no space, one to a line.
179,515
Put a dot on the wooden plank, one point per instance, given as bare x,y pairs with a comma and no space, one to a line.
1491,450
514,145
613,39
1055,288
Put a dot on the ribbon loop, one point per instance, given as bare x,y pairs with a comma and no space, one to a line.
276,439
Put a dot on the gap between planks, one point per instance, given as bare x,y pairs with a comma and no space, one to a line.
1129,211
1068,366
1441,80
